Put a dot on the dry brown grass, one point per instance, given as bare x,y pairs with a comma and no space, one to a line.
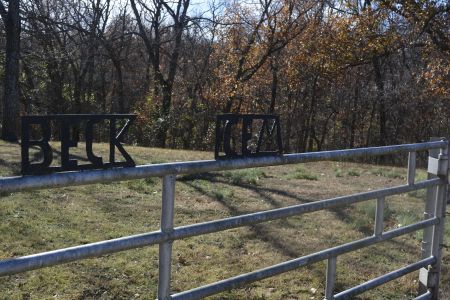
49,219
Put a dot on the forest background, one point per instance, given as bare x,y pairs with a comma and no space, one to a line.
340,73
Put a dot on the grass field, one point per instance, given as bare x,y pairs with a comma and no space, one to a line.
43,220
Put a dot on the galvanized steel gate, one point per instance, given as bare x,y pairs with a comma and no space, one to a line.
432,224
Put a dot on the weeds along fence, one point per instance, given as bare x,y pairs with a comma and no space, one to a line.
432,224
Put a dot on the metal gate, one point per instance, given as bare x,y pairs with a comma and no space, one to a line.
432,224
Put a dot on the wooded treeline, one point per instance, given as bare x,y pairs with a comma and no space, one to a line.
340,73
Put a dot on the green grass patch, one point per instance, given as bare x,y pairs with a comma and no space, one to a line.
420,194
145,186
406,217
369,210
301,173
388,173
247,176
338,172
222,194
354,173
421,175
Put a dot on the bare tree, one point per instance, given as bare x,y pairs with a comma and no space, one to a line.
161,26
11,107
117,41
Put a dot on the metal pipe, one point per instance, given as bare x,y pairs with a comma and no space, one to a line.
36,261
350,293
411,167
259,217
430,205
240,280
434,272
425,296
165,248
60,256
439,230
24,183
379,217
331,278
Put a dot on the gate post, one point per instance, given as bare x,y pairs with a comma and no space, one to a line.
436,204
165,248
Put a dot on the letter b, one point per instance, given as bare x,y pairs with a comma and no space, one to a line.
28,168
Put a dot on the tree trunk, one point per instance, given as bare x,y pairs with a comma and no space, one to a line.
55,88
381,101
369,130
11,109
354,116
119,86
163,127
274,89
288,125
27,101
188,128
312,117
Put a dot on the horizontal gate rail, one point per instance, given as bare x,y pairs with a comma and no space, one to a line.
425,296
46,259
436,184
348,294
290,265
20,184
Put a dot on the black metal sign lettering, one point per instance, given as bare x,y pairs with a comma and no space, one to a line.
253,134
70,126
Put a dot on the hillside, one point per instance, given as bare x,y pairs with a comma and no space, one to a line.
44,220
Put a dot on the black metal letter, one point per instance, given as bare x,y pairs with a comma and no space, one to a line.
70,135
28,168
246,134
66,143
267,133
115,141
227,136
95,160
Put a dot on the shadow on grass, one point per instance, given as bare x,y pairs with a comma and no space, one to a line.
344,214
261,231
15,167
262,191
